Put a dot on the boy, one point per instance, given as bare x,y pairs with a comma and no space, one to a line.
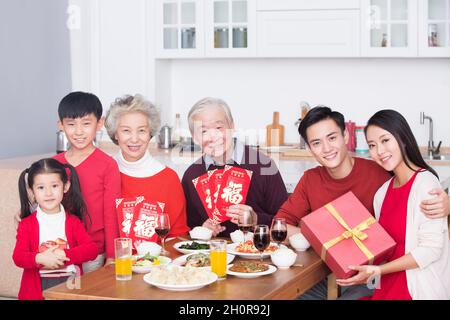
324,132
80,117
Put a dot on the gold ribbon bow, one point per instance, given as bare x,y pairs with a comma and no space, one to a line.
356,234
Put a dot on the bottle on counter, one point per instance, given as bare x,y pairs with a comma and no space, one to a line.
176,131
384,40
351,126
361,143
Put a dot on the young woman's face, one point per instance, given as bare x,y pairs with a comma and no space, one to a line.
213,132
48,190
133,135
384,148
327,143
81,131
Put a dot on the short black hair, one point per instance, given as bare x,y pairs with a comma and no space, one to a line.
79,104
318,114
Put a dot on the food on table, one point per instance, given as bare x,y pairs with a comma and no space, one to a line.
146,261
175,275
249,267
195,246
198,260
248,247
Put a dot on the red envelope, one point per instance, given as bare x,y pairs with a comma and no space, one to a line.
233,190
204,192
144,221
125,211
321,226
215,182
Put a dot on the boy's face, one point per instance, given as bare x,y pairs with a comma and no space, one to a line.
81,131
327,143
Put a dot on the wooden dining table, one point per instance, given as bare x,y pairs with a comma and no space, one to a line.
284,284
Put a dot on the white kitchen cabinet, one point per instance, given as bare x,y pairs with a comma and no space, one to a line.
179,28
308,33
230,28
389,28
434,28
271,5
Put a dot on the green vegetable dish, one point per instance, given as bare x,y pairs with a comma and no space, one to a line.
195,246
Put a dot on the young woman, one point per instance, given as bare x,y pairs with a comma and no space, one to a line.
419,267
52,240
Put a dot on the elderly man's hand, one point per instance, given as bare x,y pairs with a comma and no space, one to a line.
238,212
437,207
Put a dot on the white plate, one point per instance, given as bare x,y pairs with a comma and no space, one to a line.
231,249
180,261
177,287
271,270
147,269
186,251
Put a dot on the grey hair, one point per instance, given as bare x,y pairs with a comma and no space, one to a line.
208,102
129,104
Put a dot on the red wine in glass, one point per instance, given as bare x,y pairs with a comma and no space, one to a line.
261,238
245,228
279,230
279,235
162,232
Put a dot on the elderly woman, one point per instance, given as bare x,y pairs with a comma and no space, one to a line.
131,122
212,126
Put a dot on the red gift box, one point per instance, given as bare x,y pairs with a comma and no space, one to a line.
344,233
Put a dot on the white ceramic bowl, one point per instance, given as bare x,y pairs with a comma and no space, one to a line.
145,247
283,258
238,236
201,233
299,242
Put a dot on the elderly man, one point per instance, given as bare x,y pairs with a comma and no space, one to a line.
212,126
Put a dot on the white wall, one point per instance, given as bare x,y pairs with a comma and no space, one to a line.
254,88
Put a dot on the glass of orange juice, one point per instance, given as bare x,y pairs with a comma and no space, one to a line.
123,250
218,252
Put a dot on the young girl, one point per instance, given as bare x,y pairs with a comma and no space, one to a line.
419,267
52,241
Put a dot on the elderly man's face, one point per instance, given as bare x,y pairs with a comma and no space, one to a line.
133,135
213,131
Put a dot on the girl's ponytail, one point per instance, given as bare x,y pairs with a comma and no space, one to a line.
25,204
73,200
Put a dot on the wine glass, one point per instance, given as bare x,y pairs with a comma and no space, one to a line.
278,230
162,229
246,222
261,238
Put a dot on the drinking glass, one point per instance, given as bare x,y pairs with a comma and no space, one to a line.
162,229
278,230
261,238
123,249
218,253
246,222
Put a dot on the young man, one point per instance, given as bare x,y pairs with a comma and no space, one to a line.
339,172
80,117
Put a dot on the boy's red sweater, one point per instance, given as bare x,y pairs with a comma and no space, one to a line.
82,249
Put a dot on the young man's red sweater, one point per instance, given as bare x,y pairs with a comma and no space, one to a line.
316,188
100,185
82,249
